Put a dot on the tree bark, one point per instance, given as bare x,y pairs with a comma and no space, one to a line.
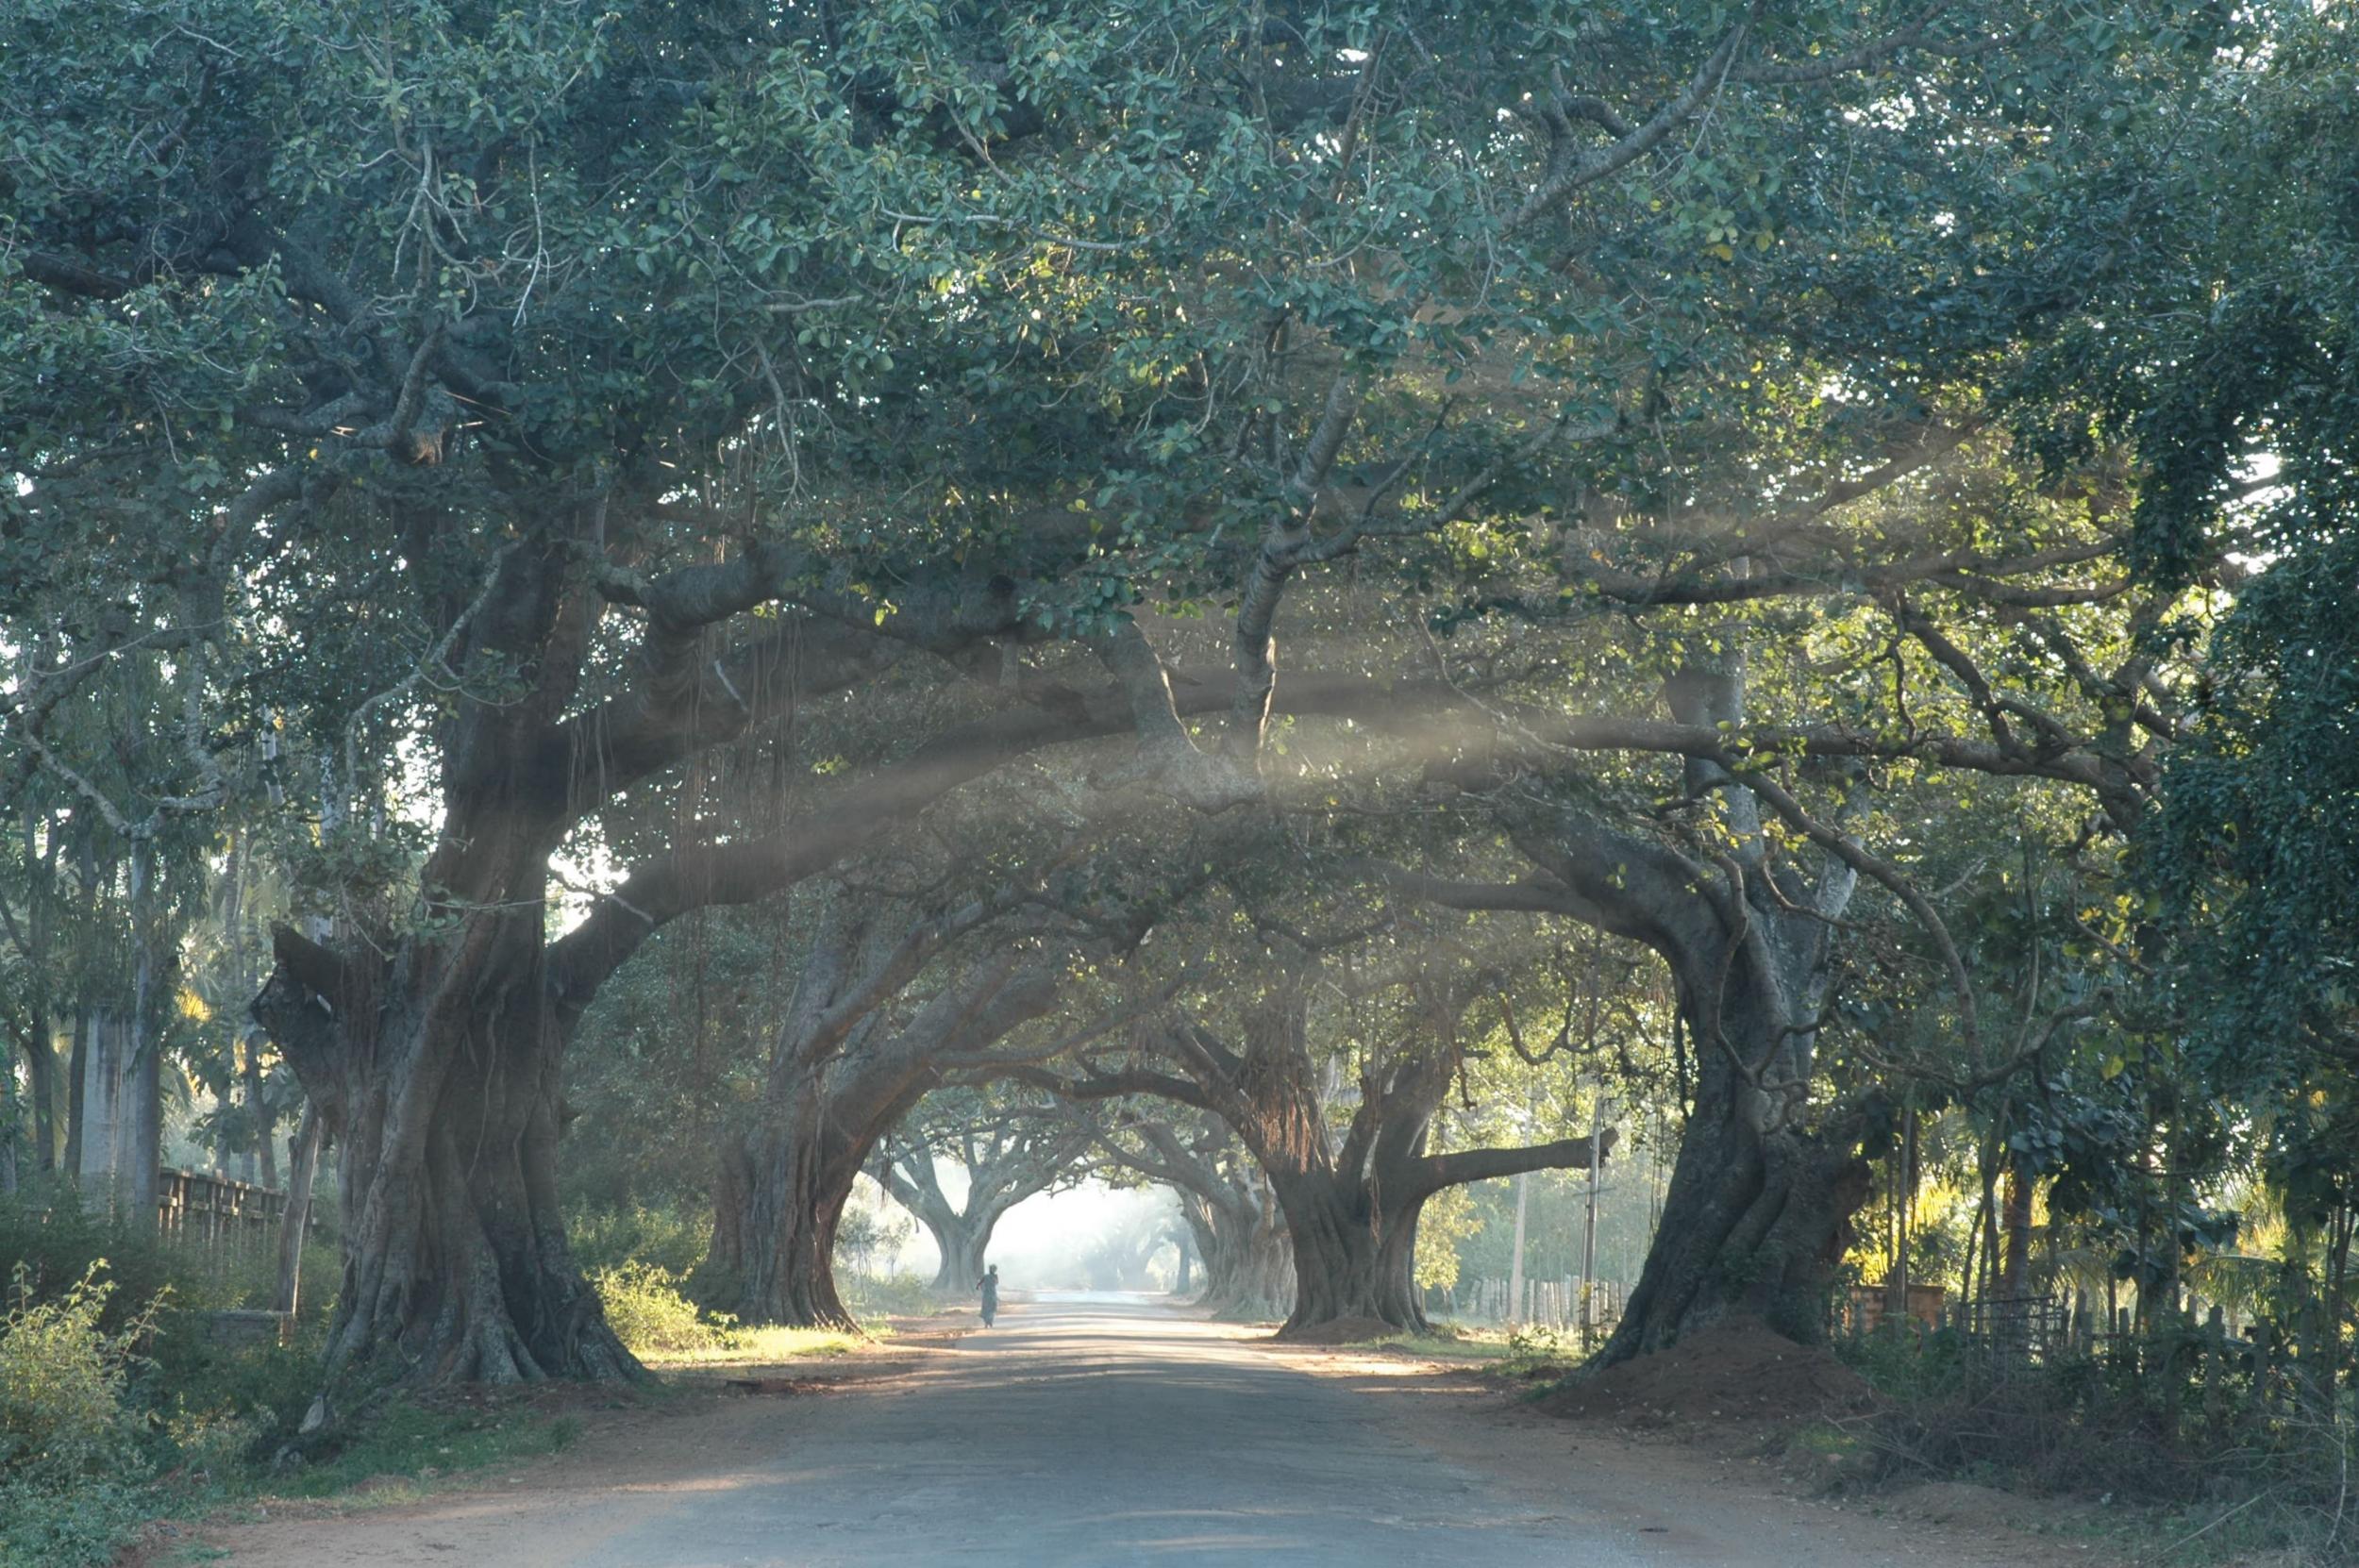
440,1084
1754,1222
40,1079
962,1260
774,1233
1761,1195
107,1047
1008,1158
1263,1276
155,965
1761,1198
76,1096
839,1081
1352,1253
1237,1226
1351,1205
303,1159
265,1155
433,1050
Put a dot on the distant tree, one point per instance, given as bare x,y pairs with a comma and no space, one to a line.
1008,1151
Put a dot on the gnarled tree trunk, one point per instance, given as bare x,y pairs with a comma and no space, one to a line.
839,1080
1759,1204
1009,1154
773,1232
1352,1253
439,1078
1351,1205
1756,1217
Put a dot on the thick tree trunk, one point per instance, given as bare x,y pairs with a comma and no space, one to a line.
265,1127
11,1126
777,1206
140,1139
1756,1218
1205,1244
434,1049
838,1084
40,1077
1351,1255
77,1099
140,1156
1263,1279
963,1244
438,1076
107,1042
776,1215
959,1236
1249,1262
2014,1269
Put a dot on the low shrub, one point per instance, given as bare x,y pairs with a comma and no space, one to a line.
2240,1474
43,1527
1536,1352
117,1408
71,1449
63,1417
646,1307
54,1244
897,1295
57,1240
611,1238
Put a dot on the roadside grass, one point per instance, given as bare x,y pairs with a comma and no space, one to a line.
2186,1474
1514,1352
1826,1439
208,1445
763,1347
411,1447
1450,1341
650,1306
119,1409
1524,1352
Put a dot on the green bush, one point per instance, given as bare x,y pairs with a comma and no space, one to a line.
644,1304
71,1449
86,1525
611,1238
63,1416
56,1243
902,1294
117,1408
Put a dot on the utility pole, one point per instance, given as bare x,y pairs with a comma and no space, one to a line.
1515,1264
1589,1221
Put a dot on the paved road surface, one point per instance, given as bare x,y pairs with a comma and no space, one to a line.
1091,1432
1085,1431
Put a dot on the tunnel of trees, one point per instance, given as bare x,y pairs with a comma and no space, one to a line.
1307,607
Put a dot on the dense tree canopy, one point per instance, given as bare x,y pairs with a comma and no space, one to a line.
720,570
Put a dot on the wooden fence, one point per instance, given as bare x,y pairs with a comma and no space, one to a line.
1547,1303
1863,1308
232,1223
234,1217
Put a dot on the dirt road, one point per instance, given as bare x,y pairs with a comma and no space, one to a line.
1101,1432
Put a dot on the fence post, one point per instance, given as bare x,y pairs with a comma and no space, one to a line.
2264,1360
2214,1352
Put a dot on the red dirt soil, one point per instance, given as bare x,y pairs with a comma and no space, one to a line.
1736,1371
1341,1331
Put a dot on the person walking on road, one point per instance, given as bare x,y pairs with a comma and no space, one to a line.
990,1288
